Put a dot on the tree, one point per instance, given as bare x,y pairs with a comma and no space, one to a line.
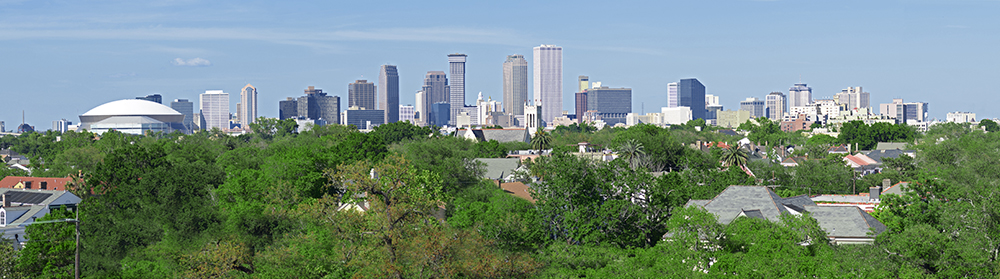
400,131
541,141
632,152
270,128
989,125
50,250
734,156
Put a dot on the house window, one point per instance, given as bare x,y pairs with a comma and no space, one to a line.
27,185
3,218
44,185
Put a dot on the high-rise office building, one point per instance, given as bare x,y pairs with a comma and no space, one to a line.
691,93
407,113
247,108
439,114
612,104
915,112
435,90
61,125
581,105
361,94
388,93
152,98
515,84
456,64
754,106
289,108
316,105
776,105
711,100
853,98
215,109
548,81
584,82
799,95
186,108
672,100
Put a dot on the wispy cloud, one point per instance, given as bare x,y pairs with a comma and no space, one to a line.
195,62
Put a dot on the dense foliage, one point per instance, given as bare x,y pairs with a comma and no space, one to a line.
408,202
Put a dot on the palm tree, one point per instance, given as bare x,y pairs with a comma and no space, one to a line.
541,141
734,156
632,151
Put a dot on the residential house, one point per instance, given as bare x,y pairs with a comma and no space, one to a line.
839,149
879,154
862,164
40,183
843,225
863,201
22,207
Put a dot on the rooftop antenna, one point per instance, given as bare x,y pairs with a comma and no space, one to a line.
22,116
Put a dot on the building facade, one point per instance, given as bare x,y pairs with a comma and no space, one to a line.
61,125
775,105
364,119
247,108
515,84
440,114
799,95
548,81
691,93
361,94
388,93
152,98
407,113
215,109
672,98
612,104
853,98
961,117
289,108
317,105
456,65
754,106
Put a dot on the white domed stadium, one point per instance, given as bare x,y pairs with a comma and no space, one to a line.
132,116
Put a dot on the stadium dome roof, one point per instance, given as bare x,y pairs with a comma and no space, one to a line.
131,107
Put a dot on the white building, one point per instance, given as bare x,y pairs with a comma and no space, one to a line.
775,105
961,117
853,98
406,113
133,116
676,115
532,121
548,81
215,109
672,100
710,100
487,107
799,95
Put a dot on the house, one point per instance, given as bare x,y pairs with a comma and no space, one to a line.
40,183
839,149
863,201
528,154
793,161
890,145
879,154
843,225
22,207
500,135
500,168
862,164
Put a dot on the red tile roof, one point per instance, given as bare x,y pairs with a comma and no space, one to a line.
52,183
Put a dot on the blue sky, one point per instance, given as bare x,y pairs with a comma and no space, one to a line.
59,59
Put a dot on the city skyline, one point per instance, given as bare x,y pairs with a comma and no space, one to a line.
86,54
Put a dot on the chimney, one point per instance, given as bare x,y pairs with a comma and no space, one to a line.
6,200
874,193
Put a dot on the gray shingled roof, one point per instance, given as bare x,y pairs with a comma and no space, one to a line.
700,203
878,155
728,204
890,145
845,221
507,135
495,167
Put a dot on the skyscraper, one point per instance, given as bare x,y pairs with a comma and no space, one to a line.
515,84
288,108
456,64
612,104
776,105
799,95
186,108
215,109
548,81
691,93
388,93
316,105
361,94
672,100
584,82
853,98
247,108
754,106
152,98
435,90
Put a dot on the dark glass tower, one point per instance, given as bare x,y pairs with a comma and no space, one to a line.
692,95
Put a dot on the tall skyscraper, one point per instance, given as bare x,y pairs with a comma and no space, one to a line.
186,108
799,95
288,108
456,64
754,106
361,94
152,98
672,99
581,105
435,90
515,84
388,93
776,105
548,81
247,108
612,104
215,109
691,93
316,105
